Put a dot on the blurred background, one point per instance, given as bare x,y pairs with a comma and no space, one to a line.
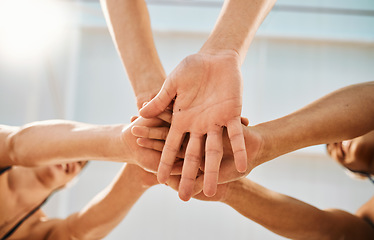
57,60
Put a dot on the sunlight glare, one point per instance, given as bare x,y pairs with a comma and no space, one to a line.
29,29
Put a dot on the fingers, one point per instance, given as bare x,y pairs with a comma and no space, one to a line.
173,182
169,153
177,167
235,132
159,103
213,156
151,144
166,116
190,166
228,173
158,146
159,133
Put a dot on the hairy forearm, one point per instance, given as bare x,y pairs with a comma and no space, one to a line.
292,218
237,25
58,141
108,208
344,114
130,27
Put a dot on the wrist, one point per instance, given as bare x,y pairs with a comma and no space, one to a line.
147,86
255,143
232,188
220,52
113,146
274,141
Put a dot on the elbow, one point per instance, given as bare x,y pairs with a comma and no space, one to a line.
17,148
11,149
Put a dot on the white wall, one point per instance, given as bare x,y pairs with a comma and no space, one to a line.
295,58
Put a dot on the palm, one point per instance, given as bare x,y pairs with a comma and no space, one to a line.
208,93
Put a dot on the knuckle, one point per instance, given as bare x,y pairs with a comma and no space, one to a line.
190,157
170,148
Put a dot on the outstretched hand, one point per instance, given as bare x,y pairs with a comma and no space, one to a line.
208,96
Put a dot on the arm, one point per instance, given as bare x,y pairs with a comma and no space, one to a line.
55,141
108,208
130,28
207,88
59,141
292,218
343,114
285,215
5,131
236,27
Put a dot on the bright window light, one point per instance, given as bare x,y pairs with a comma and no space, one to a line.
30,29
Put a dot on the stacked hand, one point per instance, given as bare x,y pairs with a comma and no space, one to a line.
154,138
146,158
207,94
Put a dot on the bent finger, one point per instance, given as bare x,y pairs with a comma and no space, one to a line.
160,102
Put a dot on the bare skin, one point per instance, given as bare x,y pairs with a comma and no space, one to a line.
61,141
44,156
327,120
130,27
95,221
224,51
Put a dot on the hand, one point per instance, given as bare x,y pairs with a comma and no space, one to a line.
146,158
146,179
220,196
149,92
153,138
254,142
208,96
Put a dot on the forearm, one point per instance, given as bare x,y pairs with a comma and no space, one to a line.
5,131
341,115
58,141
237,25
108,208
292,218
130,27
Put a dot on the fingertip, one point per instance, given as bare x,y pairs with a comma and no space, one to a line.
184,196
144,112
241,162
162,175
161,179
135,130
199,184
140,142
210,190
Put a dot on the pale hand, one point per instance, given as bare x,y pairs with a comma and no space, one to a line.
208,96
146,158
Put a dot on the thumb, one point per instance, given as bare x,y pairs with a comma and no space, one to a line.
159,103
